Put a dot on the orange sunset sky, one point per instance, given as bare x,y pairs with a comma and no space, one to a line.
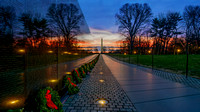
94,38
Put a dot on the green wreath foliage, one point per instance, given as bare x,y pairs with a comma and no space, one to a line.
88,67
82,72
69,84
41,101
84,68
76,77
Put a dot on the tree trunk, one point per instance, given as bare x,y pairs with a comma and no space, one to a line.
166,50
175,45
163,48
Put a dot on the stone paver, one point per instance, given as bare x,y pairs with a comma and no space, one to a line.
152,93
92,89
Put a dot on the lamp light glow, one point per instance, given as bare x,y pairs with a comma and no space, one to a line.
53,80
75,53
14,101
102,101
101,81
21,51
65,52
68,73
50,51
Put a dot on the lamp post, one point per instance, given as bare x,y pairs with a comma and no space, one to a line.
187,54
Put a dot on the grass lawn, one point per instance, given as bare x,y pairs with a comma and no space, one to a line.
172,63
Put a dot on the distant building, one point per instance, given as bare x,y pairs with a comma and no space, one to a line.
41,7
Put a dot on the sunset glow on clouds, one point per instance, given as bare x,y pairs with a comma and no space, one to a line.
94,38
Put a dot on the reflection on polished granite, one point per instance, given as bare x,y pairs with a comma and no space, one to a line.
15,86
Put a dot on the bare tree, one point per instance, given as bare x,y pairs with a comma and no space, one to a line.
173,19
7,18
67,19
34,28
157,31
191,16
164,28
131,18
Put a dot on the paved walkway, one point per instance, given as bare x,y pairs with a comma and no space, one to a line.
151,93
92,89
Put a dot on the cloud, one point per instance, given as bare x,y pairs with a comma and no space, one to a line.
94,38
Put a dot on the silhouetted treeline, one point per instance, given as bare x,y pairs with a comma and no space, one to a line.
170,33
58,28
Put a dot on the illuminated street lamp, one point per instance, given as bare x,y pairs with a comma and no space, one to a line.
134,52
178,50
149,51
124,53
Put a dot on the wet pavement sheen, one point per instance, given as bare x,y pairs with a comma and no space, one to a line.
151,93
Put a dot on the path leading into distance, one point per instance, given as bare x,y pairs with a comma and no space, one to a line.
131,88
151,93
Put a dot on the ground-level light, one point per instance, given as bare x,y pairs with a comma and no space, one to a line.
14,101
68,73
21,51
149,51
101,81
75,53
102,101
50,51
134,52
124,53
65,52
53,80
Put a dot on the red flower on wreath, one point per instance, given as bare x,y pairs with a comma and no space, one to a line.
50,103
77,73
69,79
